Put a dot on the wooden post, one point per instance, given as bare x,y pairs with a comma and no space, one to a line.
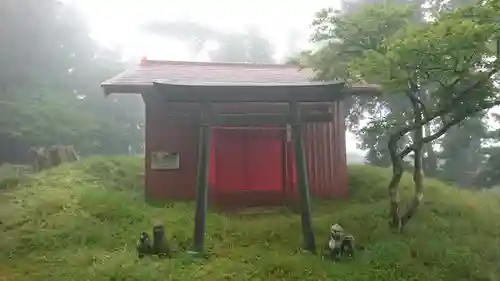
202,178
283,168
301,169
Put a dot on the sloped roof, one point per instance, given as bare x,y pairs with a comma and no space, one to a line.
140,78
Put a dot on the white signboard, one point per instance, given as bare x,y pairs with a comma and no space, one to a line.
288,133
161,160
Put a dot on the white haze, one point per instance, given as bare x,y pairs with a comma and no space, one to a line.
117,24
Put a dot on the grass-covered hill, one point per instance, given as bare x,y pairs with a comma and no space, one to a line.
81,221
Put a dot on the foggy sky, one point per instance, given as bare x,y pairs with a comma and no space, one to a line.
117,24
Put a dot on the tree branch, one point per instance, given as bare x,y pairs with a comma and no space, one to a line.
450,86
445,110
414,88
445,128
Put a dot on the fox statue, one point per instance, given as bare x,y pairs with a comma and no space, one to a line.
339,245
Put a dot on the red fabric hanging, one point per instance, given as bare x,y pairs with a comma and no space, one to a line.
247,160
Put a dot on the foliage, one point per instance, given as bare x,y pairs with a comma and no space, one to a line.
374,139
463,152
336,52
51,93
13,175
437,72
489,176
81,221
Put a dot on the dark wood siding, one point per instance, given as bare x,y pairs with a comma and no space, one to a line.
325,154
166,135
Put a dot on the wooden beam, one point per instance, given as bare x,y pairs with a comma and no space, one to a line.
126,89
372,90
253,119
240,108
301,169
279,119
133,88
223,92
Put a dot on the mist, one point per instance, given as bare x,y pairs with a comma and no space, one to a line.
77,46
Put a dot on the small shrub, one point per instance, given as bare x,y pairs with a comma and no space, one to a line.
9,182
13,175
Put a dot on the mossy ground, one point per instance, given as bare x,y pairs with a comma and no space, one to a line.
12,175
81,221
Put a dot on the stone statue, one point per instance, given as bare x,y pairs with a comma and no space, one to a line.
339,244
159,246
144,246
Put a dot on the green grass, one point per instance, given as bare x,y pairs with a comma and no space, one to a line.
12,175
81,221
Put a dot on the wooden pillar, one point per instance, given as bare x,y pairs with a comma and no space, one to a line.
202,178
301,169
284,182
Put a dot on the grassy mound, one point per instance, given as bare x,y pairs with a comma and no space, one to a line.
12,175
81,221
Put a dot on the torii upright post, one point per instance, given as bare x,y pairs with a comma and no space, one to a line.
301,168
202,178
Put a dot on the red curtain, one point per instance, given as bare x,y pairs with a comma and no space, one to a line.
264,160
247,160
230,161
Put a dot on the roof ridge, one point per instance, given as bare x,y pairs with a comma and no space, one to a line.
146,62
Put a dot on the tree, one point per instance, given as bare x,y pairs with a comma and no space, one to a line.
377,152
462,152
439,69
459,160
293,47
193,34
488,173
50,75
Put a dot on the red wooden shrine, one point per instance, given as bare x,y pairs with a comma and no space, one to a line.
252,161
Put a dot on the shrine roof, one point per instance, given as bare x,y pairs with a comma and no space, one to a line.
141,78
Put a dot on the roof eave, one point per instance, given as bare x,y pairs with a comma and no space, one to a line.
363,90
251,92
357,89
125,89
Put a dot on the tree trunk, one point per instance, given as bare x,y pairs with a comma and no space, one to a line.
397,174
430,164
418,169
418,179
